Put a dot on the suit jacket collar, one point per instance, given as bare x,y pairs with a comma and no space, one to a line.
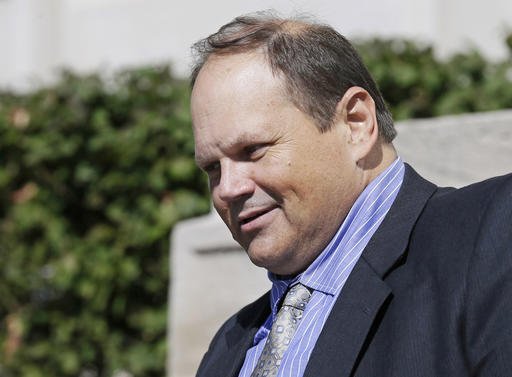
390,241
345,332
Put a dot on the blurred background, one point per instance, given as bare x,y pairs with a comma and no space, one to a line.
96,152
39,36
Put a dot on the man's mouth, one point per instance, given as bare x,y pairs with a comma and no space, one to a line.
249,216
249,219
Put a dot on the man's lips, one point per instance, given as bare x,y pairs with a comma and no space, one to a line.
252,214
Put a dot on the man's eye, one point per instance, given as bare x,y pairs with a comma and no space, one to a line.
256,151
212,168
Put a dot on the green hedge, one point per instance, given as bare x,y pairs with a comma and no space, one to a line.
93,175
416,84
94,172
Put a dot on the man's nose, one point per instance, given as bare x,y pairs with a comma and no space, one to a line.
235,181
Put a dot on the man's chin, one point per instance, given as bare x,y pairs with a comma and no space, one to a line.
277,264
262,258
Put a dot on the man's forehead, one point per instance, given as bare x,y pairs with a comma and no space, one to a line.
237,70
227,134
235,58
235,81
220,66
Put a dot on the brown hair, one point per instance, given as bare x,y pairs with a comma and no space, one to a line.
318,64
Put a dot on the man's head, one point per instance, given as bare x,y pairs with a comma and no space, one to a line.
316,63
287,141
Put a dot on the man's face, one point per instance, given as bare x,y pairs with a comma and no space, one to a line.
280,185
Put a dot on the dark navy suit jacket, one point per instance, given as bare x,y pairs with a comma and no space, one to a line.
431,295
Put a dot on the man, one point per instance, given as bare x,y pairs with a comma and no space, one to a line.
374,270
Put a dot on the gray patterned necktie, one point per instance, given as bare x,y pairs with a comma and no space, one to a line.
283,329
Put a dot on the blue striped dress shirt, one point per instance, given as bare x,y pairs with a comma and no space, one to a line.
327,274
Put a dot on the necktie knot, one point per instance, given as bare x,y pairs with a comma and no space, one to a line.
298,296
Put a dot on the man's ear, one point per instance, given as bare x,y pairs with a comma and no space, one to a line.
356,109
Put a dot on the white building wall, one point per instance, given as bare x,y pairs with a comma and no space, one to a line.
480,24
28,39
38,36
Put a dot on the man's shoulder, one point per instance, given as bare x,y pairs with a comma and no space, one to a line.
234,336
455,276
451,212
455,223
472,199
249,317
490,184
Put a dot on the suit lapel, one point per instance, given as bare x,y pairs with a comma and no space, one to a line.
344,337
346,328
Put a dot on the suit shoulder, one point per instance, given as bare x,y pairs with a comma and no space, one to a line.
241,325
455,221
489,287
250,315
472,199
478,188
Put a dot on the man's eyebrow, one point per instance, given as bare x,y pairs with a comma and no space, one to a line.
229,144
241,138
